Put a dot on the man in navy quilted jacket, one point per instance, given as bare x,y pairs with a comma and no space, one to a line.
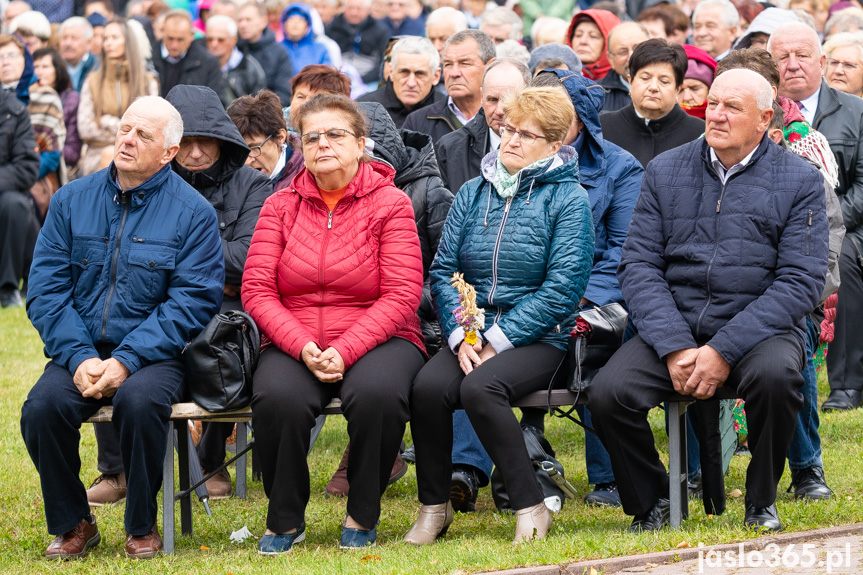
127,269
726,254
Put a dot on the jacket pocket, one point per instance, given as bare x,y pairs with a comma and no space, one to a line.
87,262
150,271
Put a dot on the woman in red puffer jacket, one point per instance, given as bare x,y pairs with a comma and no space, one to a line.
333,279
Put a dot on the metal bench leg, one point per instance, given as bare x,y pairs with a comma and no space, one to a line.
242,439
168,493
183,460
677,462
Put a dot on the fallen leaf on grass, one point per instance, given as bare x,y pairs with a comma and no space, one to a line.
371,558
204,548
593,571
710,516
683,545
736,493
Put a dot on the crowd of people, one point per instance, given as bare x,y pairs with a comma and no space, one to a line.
336,170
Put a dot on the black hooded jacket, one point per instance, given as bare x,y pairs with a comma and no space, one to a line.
413,157
460,154
236,191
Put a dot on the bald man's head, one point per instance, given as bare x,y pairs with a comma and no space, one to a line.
739,109
148,139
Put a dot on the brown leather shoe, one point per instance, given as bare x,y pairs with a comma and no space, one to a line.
107,489
144,546
219,485
338,485
76,543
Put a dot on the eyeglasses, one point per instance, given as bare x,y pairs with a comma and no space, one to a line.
526,137
835,64
11,57
255,151
334,136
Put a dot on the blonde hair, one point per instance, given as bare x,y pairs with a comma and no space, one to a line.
550,108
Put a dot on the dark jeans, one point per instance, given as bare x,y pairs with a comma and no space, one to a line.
635,380
51,420
845,360
287,398
805,448
485,394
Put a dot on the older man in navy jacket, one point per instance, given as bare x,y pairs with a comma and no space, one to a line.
726,254
127,269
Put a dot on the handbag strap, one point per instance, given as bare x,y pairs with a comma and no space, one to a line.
252,337
559,412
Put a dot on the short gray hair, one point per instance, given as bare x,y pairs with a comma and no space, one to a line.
172,131
77,22
799,31
847,20
522,69
730,16
226,21
500,16
447,14
512,50
31,23
842,40
416,45
487,50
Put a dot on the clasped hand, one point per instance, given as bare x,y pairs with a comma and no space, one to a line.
698,372
328,365
472,356
97,378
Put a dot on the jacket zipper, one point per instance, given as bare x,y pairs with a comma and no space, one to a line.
808,231
710,265
124,197
321,278
496,253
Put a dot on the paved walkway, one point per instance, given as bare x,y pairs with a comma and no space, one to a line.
835,550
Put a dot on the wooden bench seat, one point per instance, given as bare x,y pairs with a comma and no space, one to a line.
182,413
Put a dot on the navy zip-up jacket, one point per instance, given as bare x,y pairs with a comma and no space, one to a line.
725,265
141,270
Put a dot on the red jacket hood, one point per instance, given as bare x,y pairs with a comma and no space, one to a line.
606,21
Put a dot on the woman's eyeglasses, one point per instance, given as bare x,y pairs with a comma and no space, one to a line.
525,137
255,151
334,135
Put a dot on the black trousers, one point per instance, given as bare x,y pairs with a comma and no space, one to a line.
845,359
635,380
485,394
17,221
286,400
51,421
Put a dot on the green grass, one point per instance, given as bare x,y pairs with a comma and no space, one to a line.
475,542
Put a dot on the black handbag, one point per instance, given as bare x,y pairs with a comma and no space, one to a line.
597,335
221,360
548,472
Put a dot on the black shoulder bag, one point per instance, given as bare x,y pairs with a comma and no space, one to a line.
221,360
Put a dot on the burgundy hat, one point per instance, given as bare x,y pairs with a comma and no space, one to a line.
701,65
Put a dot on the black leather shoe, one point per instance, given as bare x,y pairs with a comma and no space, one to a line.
655,519
410,454
10,297
843,400
695,487
463,489
809,483
764,519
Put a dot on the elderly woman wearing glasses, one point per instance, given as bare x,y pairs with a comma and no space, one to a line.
844,69
333,279
522,235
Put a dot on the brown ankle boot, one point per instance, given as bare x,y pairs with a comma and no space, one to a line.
433,522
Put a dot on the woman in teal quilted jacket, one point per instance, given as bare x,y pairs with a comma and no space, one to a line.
522,235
